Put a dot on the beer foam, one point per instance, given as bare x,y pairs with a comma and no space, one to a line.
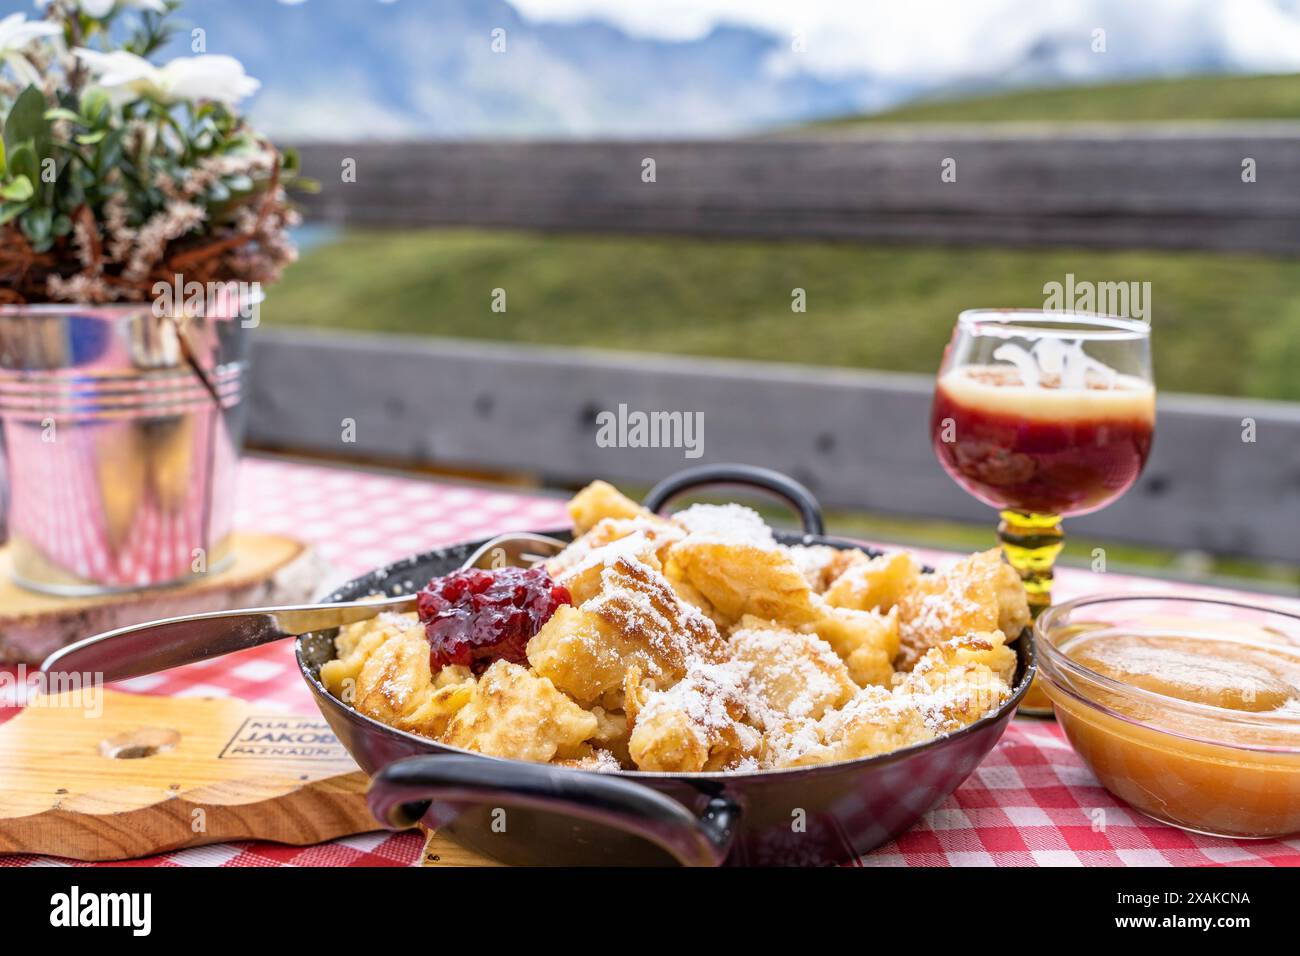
1001,390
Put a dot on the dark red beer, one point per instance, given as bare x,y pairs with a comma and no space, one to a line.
1044,450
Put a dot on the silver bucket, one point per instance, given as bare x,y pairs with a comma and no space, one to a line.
121,432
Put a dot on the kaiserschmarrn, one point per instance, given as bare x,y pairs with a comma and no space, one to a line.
696,642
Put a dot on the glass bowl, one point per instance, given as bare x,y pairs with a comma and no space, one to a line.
1229,768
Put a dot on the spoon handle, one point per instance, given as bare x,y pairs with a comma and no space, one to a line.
147,648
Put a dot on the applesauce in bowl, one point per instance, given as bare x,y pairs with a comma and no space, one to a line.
1188,709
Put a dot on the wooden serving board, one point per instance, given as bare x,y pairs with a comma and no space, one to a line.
440,851
116,776
267,569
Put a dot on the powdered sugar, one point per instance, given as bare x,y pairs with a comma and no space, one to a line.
792,740
638,600
610,538
703,694
933,611
789,660
603,761
399,621
730,524
635,545
947,691
713,697
947,707
942,606
812,561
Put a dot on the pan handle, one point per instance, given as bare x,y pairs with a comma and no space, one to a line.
400,795
750,476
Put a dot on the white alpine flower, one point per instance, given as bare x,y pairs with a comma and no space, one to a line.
99,9
209,77
15,33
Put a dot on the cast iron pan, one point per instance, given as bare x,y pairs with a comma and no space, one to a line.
527,813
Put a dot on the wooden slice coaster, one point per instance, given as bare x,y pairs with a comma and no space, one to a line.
111,776
267,569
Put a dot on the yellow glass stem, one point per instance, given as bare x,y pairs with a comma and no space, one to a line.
1031,543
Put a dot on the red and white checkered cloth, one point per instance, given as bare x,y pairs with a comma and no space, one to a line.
1031,802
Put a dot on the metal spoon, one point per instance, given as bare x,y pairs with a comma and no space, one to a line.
148,648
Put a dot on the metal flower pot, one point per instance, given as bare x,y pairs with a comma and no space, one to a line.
121,433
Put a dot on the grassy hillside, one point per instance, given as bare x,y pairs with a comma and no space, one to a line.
1222,325
1186,98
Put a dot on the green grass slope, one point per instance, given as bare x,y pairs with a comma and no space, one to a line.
1183,99
1227,325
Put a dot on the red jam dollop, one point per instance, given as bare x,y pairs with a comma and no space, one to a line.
475,616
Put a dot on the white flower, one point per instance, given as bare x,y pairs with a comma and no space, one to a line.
15,34
99,9
207,77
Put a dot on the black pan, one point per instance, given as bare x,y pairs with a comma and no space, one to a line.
527,813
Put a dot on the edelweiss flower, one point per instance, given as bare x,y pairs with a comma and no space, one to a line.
15,34
209,77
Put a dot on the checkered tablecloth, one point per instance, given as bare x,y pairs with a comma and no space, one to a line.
1031,802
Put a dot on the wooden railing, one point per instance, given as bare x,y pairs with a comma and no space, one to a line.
1156,187
858,439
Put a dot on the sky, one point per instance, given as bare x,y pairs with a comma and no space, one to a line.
891,38
424,68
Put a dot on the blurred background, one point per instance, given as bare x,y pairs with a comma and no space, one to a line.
572,204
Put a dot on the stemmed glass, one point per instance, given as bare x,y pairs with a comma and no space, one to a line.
1043,415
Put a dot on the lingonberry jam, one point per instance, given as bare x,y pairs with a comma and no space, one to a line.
474,617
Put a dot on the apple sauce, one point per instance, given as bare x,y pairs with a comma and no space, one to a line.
1194,722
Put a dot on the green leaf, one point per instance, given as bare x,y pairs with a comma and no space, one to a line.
110,151
18,189
90,139
2,157
61,113
94,104
11,212
73,193
27,122
23,162
38,225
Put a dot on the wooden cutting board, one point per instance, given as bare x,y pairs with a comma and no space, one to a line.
111,776
267,569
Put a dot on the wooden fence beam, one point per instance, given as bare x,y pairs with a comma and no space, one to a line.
858,439
1096,186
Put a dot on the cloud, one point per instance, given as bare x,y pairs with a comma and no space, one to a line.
947,38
